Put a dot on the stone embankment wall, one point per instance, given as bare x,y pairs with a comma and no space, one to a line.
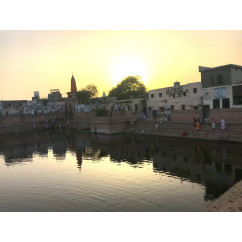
24,123
81,120
186,115
230,115
84,120
114,123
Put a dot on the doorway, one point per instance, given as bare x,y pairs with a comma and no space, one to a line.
205,111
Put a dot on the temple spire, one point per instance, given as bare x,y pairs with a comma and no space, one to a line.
73,84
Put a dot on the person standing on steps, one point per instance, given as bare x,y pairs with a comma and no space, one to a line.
223,127
213,125
194,122
197,125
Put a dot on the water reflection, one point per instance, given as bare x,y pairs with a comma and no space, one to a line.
214,165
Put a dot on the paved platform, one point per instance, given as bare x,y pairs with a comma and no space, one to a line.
230,201
186,130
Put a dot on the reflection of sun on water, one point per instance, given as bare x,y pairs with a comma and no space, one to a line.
128,66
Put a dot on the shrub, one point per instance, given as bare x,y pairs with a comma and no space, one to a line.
101,112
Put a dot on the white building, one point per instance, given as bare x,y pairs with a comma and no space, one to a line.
82,108
13,107
178,97
221,86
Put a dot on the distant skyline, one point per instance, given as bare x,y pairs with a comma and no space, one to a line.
43,60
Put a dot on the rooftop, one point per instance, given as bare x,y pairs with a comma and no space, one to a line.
204,68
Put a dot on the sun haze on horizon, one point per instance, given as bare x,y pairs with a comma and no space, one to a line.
43,60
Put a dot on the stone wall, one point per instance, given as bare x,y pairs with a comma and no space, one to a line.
233,115
186,115
23,123
81,120
114,123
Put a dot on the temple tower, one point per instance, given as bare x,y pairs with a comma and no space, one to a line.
73,84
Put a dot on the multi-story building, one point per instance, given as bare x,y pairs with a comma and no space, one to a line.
178,97
54,95
221,87
13,107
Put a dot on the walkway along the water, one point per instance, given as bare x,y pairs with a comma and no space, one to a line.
230,201
233,131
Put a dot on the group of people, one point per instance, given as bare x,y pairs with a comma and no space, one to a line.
196,124
222,122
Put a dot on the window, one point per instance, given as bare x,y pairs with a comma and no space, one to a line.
174,95
149,108
183,107
160,94
194,90
184,94
219,79
237,95
225,103
212,80
172,107
152,95
216,103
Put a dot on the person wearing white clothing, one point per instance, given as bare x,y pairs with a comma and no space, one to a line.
223,124
213,125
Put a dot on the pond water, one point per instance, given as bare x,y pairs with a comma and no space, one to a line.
78,171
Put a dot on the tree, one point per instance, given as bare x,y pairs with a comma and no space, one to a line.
86,93
92,89
129,86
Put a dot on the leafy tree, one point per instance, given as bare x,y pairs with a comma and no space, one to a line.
131,85
92,89
86,93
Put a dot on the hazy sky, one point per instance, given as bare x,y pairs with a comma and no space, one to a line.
43,60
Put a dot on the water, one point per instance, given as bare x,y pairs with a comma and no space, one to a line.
78,171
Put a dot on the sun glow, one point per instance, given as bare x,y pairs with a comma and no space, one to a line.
127,66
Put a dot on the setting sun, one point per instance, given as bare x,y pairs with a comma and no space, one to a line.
127,66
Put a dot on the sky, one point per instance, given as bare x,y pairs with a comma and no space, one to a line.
43,60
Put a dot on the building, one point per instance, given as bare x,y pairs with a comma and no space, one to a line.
83,108
221,87
178,97
13,107
36,96
54,95
133,104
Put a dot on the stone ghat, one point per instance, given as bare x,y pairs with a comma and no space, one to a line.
126,123
230,201
26,123
186,130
